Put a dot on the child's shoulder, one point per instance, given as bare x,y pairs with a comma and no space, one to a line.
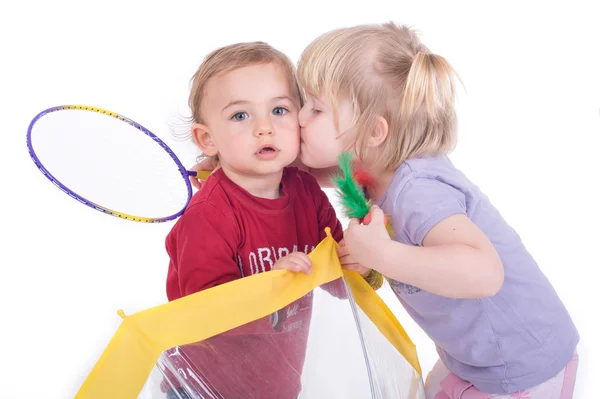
429,180
427,166
212,197
438,169
209,213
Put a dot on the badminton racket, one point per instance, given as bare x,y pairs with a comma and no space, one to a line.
110,163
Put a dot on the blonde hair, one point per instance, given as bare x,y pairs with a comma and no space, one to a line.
387,72
232,57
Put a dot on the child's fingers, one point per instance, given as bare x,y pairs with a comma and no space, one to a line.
202,169
301,262
301,257
346,260
343,254
342,251
350,264
376,214
196,183
353,222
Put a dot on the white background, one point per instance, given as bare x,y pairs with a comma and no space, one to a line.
529,136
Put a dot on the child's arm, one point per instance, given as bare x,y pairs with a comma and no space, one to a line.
456,259
202,249
450,257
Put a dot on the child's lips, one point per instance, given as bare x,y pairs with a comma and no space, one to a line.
267,152
267,149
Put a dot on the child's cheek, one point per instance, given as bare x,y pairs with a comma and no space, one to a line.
307,146
305,156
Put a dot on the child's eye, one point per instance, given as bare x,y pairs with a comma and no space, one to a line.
315,111
239,116
280,111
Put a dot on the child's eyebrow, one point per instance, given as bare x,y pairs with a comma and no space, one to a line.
239,102
282,98
234,102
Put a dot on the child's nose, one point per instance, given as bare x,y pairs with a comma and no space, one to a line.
263,127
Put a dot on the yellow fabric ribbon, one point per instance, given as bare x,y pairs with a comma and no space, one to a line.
128,360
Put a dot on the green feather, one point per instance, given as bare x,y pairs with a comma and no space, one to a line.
348,191
354,202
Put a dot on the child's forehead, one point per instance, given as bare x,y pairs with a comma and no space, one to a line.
253,76
270,71
253,82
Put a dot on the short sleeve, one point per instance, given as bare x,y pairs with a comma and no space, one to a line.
421,204
202,250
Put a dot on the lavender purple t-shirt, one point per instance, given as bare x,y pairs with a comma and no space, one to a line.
518,338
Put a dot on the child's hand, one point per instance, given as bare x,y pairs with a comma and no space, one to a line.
209,163
295,262
363,240
348,262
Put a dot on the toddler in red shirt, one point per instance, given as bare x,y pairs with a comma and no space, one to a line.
254,214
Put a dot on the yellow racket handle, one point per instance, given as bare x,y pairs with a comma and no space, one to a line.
203,174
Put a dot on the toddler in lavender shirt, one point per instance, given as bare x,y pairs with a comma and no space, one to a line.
456,266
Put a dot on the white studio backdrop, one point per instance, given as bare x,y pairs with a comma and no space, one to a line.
529,135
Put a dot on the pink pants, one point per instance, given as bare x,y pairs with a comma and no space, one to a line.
442,384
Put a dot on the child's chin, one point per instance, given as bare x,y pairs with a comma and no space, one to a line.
273,167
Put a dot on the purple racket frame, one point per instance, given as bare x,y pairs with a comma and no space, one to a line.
185,174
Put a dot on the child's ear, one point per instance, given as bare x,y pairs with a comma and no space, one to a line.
379,133
203,139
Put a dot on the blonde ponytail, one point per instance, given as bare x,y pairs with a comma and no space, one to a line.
429,85
427,117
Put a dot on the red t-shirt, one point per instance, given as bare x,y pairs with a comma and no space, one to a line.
225,234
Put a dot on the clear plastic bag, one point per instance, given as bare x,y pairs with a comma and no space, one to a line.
320,346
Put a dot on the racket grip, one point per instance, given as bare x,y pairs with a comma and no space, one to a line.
202,174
